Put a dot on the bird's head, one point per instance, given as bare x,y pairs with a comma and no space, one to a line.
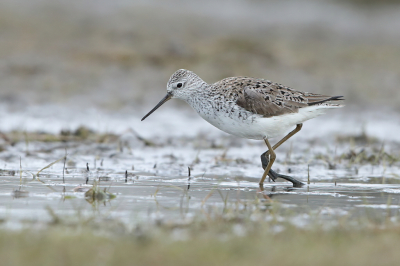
180,85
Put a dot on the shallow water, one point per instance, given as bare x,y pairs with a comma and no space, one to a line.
224,174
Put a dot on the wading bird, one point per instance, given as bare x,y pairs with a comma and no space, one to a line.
251,108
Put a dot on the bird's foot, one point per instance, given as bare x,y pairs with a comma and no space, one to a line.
274,175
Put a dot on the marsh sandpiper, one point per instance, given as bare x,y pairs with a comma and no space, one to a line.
251,108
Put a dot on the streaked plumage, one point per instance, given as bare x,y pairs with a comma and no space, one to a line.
246,107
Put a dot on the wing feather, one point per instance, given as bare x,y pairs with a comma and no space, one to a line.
266,98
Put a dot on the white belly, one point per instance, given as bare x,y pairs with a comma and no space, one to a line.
258,127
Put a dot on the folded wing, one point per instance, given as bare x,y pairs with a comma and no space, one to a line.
270,99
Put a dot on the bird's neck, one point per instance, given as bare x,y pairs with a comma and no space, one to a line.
202,99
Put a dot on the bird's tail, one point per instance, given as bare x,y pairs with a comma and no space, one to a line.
315,99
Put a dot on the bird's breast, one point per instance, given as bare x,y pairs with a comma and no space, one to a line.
228,117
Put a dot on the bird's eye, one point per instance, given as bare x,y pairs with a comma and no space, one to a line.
179,85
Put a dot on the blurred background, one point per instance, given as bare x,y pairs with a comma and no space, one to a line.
65,57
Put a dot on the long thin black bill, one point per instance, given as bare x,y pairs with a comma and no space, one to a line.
165,99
